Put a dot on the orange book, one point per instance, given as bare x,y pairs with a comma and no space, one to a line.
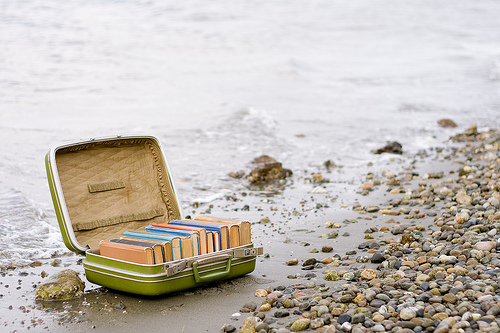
133,253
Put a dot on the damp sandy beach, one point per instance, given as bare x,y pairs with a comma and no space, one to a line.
291,223
219,84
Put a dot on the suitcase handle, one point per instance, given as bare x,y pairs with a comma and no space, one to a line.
211,276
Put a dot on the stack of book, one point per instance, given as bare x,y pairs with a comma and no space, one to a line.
177,239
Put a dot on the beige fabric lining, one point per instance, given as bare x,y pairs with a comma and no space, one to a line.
88,225
110,208
107,186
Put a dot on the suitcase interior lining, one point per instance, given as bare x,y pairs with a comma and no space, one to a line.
113,186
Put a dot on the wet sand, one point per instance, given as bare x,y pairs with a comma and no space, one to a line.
293,223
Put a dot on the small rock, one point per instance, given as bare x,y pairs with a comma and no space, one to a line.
447,123
281,313
248,326
300,325
272,297
440,316
397,229
229,329
370,295
407,314
407,239
322,309
485,246
261,293
316,323
358,318
332,275
327,260
309,262
391,147
423,277
266,170
348,276
347,298
343,318
288,303
62,286
250,305
377,258
368,274
450,298
463,199
372,209
265,307
326,249
337,311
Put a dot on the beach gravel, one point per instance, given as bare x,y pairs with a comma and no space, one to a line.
438,275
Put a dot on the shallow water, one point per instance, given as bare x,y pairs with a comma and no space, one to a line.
223,82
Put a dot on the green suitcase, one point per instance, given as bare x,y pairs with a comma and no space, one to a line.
103,187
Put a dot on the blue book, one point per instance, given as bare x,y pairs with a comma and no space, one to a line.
174,240
189,239
222,229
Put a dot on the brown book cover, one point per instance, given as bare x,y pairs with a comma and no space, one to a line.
175,241
132,253
210,242
221,228
202,233
245,226
187,247
167,247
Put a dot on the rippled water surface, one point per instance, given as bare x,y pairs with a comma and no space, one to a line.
221,82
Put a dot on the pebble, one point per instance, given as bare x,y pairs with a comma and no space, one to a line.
407,314
300,325
485,246
322,310
368,274
377,258
260,293
316,323
348,276
250,306
450,298
229,329
343,318
281,313
326,249
358,318
265,307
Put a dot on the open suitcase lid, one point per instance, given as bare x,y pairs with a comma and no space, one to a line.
103,187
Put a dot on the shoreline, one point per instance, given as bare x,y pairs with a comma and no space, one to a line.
295,218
